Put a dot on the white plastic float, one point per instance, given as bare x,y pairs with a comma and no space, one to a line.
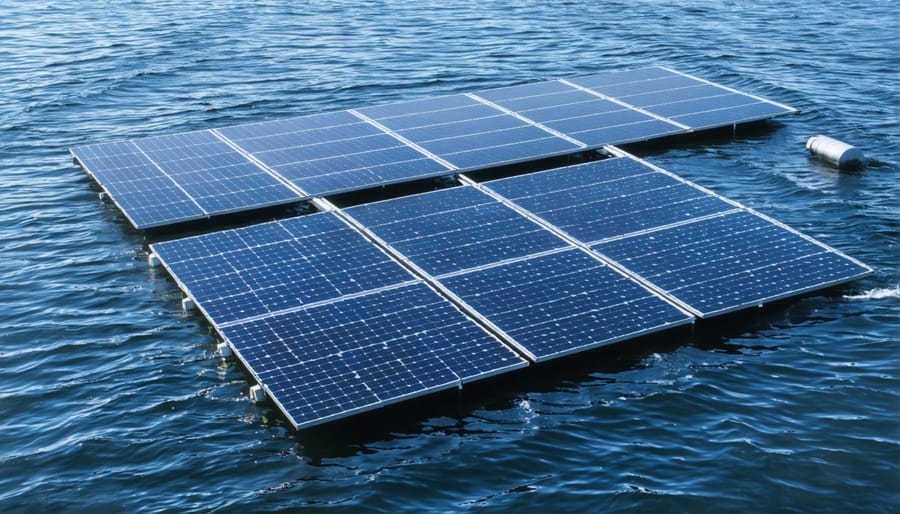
836,152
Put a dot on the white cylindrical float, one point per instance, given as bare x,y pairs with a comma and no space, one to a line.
836,152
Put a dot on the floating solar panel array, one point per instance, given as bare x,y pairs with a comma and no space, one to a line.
340,312
170,179
348,310
327,323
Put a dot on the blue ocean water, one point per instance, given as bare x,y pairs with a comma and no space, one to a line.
113,400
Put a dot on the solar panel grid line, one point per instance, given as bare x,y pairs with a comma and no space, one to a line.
502,262
521,117
279,177
759,98
405,141
319,303
662,227
627,105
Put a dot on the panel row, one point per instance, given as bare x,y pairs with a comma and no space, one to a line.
170,179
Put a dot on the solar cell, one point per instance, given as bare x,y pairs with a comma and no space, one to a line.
731,261
328,323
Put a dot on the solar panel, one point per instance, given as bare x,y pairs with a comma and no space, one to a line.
711,255
581,114
328,323
169,179
454,229
608,198
561,303
550,299
332,153
693,102
467,133
731,261
146,196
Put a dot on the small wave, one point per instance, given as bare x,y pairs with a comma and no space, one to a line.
877,294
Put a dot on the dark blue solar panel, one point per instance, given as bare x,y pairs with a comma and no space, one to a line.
327,154
687,107
275,266
217,177
454,229
332,360
581,115
583,108
169,179
565,302
608,198
683,99
509,153
448,132
726,115
532,90
696,91
415,107
730,262
570,96
468,133
145,195
664,82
